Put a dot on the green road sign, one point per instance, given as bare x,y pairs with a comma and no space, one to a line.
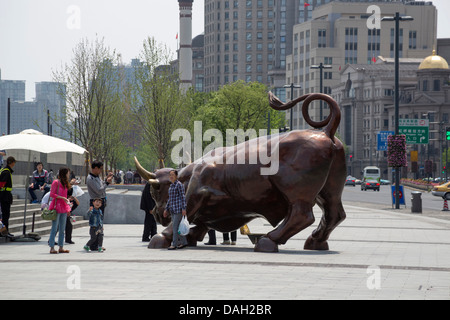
415,130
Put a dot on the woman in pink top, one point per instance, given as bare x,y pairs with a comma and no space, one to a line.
58,193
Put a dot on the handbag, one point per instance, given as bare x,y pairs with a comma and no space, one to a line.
183,228
48,214
3,230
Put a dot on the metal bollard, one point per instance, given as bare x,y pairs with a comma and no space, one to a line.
416,202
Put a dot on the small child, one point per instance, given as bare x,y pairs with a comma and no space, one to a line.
96,225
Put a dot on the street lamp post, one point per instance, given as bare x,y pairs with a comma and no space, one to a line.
397,20
292,86
321,66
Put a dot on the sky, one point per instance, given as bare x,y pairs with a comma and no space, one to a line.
37,36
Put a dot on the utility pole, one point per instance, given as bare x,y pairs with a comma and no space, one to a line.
321,66
292,86
397,20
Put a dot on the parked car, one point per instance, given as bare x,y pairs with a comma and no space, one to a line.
370,184
442,191
384,182
351,181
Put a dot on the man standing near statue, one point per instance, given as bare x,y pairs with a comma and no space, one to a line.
97,189
176,207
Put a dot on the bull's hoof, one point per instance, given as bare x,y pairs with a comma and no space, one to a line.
312,244
158,241
264,244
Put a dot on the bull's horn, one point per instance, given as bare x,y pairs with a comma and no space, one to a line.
153,181
144,173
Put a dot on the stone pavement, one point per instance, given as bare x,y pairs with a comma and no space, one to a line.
374,254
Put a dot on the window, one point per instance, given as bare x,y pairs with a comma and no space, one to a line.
322,38
400,49
351,45
436,86
373,45
413,40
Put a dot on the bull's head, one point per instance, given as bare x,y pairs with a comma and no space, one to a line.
159,190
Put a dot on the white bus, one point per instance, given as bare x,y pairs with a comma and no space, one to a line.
371,173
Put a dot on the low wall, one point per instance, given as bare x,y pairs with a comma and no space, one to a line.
122,206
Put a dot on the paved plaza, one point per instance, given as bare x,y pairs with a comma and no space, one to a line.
374,254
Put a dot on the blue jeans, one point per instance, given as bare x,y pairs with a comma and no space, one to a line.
177,238
58,223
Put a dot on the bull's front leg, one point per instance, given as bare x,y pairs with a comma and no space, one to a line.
299,217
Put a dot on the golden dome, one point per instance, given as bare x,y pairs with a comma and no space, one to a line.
433,62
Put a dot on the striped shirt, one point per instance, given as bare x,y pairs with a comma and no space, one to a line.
177,199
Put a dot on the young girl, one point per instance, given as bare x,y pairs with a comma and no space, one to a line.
61,204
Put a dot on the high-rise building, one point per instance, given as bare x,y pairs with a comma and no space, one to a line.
185,51
250,39
338,34
238,41
198,62
15,91
46,113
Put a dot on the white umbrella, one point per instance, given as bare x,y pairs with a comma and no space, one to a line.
37,141
33,140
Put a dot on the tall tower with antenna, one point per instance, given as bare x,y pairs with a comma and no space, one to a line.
185,51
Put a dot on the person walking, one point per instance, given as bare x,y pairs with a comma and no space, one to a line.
60,203
147,204
176,206
96,226
6,198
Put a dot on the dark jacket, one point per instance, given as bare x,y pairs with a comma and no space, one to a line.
147,202
6,185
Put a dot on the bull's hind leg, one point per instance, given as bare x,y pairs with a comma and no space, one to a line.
333,215
300,216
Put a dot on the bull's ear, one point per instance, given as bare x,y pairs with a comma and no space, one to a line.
154,183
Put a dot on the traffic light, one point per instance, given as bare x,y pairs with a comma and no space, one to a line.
447,133
351,158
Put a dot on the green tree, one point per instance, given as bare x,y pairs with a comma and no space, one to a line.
239,105
159,105
90,86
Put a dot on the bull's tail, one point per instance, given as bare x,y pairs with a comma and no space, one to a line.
329,125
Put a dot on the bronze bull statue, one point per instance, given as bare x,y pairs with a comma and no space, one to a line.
224,197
